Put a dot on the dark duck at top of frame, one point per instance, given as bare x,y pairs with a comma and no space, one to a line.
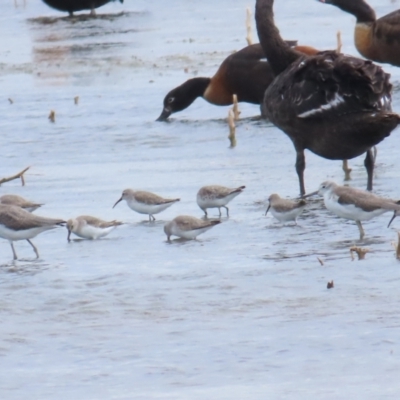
334,105
71,6
375,39
245,73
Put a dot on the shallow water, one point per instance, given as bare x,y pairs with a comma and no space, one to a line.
241,313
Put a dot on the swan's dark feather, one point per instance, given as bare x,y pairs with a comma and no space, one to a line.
329,85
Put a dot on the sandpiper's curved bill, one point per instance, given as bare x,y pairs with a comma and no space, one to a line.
395,214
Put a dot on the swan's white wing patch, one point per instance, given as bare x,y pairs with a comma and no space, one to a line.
335,102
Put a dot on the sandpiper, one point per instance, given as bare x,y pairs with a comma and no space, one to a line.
216,196
15,200
187,227
285,210
354,204
19,224
145,202
88,227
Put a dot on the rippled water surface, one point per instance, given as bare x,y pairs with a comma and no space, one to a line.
242,313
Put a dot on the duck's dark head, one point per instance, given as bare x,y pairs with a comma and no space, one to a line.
183,96
359,8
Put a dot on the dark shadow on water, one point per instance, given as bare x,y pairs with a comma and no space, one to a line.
76,19
181,241
77,240
147,223
58,53
280,225
106,238
209,217
254,120
26,266
367,241
282,257
66,48
79,34
177,241
259,121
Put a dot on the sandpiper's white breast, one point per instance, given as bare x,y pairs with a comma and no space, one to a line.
214,202
144,208
188,234
349,211
23,234
286,216
88,231
216,196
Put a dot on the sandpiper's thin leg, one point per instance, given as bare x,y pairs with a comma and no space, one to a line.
154,218
93,12
14,253
219,209
362,233
227,211
346,170
205,212
34,248
70,14
300,167
369,166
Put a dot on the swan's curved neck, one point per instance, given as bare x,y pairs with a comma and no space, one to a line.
359,8
278,53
